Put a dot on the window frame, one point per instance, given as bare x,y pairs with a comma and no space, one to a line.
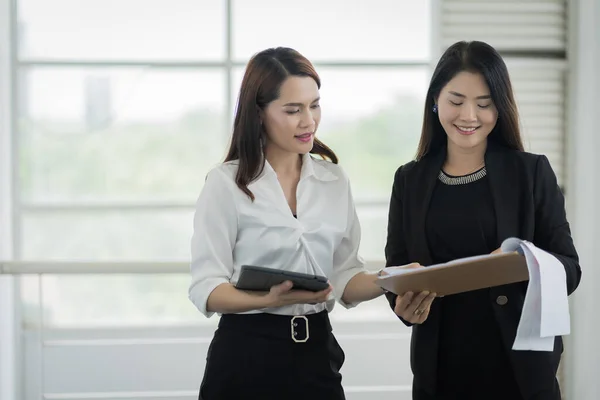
228,64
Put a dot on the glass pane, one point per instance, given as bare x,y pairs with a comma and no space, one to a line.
373,223
107,235
92,301
372,119
95,301
114,235
134,300
119,133
158,30
129,300
334,29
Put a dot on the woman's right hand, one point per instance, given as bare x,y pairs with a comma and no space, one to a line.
414,308
284,295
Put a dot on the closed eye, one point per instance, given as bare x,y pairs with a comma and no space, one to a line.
483,107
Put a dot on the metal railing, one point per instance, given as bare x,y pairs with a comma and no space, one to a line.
92,267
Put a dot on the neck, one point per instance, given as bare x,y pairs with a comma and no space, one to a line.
465,160
283,162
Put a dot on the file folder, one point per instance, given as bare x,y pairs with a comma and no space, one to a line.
458,276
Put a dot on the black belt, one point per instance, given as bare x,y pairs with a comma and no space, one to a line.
295,328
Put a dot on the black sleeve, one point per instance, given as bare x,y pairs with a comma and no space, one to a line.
395,247
552,231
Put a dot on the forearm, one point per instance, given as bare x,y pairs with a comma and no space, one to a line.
572,271
362,287
226,299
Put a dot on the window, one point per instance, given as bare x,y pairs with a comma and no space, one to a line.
124,106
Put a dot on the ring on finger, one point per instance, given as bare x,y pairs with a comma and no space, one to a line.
419,312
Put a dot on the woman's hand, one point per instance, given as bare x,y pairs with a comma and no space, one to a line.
284,295
414,308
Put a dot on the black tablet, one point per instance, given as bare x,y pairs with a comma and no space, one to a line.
262,278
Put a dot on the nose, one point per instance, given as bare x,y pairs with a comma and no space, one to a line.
468,112
307,119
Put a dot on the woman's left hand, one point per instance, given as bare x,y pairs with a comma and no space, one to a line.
413,307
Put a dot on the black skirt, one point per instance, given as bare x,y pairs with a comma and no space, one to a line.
476,391
266,356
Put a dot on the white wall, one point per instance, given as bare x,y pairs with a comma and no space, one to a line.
582,359
167,363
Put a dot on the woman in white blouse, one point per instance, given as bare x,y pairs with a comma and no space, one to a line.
272,204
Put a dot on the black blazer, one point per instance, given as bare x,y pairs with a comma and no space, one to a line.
529,205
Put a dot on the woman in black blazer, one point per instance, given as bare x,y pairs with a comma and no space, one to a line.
472,186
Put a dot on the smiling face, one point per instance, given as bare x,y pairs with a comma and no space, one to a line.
466,111
291,120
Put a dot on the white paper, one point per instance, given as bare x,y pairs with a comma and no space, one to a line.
555,317
528,332
546,308
394,271
467,259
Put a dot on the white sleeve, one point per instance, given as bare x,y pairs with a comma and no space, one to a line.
346,260
213,240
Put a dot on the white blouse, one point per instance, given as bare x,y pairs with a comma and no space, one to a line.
230,231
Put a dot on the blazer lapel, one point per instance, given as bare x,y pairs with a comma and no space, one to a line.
500,166
421,188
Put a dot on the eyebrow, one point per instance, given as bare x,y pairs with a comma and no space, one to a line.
300,104
484,97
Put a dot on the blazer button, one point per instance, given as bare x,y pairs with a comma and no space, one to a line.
501,300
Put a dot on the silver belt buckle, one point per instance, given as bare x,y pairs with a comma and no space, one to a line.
295,324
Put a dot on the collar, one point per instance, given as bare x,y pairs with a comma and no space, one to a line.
310,168
316,168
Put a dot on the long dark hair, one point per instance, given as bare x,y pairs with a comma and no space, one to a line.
261,84
476,57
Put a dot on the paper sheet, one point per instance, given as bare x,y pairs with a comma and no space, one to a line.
546,307
393,271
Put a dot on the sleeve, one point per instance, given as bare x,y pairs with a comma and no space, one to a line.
395,247
552,230
346,260
213,240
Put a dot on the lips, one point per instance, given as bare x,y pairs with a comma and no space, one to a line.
305,137
466,130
